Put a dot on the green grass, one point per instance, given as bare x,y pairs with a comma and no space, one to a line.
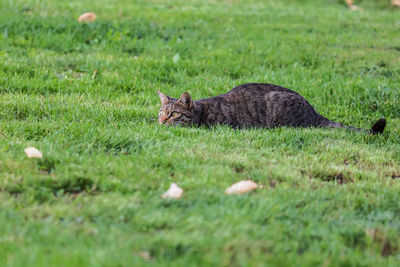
329,197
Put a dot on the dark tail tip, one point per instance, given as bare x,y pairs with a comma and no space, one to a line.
379,126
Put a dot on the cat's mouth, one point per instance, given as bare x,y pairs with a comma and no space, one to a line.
162,121
166,123
176,124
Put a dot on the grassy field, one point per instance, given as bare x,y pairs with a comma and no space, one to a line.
329,197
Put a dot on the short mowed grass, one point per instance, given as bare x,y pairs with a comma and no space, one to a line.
327,197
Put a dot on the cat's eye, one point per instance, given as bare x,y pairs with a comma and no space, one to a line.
162,113
174,114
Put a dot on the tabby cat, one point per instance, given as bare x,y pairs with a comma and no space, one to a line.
249,105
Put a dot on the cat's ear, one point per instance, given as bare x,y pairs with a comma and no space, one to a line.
163,97
186,99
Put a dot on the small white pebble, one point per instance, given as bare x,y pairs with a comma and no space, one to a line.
396,3
353,7
176,58
145,255
87,17
174,191
241,187
33,153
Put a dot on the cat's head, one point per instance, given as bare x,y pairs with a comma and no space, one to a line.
174,111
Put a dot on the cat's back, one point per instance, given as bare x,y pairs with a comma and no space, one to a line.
258,88
259,105
250,92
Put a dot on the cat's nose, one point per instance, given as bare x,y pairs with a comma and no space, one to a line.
163,119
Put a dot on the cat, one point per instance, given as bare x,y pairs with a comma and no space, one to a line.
249,105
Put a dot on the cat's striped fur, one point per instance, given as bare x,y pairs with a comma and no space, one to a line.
249,105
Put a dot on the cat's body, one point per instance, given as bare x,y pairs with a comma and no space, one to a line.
248,105
259,105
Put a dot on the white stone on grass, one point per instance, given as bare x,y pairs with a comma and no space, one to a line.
87,17
174,191
33,153
241,187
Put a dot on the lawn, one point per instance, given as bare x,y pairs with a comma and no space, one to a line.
86,96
